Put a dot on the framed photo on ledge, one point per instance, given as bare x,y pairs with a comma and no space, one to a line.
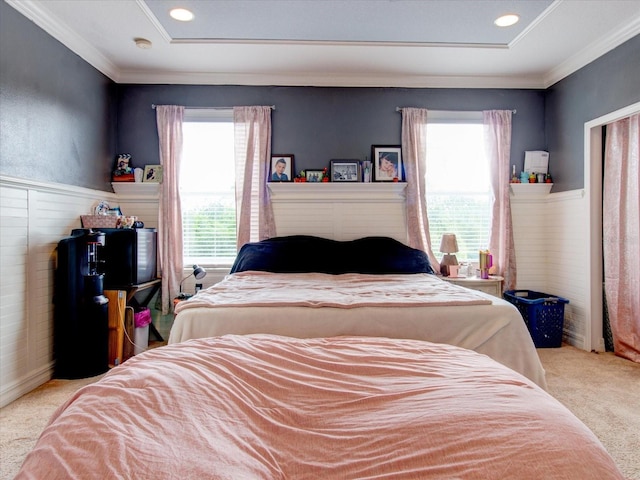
345,170
281,168
152,174
313,175
387,163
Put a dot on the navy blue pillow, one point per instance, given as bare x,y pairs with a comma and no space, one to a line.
305,253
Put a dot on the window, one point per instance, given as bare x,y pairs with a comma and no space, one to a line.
459,195
207,188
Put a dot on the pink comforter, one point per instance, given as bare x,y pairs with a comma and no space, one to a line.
268,407
350,290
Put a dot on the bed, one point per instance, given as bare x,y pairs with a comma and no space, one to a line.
272,407
306,287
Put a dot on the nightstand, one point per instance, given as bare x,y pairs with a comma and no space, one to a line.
181,298
491,285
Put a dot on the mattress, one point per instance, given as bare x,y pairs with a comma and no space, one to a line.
268,407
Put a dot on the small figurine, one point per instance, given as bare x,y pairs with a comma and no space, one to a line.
514,179
123,171
122,165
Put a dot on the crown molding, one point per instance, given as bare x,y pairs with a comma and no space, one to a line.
55,28
592,52
329,80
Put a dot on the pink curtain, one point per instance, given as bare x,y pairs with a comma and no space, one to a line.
497,132
252,136
414,151
621,234
169,122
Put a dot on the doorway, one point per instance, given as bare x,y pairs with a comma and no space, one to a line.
593,160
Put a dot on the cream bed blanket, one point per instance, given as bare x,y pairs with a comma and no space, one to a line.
448,313
350,290
267,407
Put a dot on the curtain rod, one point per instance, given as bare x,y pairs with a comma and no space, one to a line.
399,109
153,106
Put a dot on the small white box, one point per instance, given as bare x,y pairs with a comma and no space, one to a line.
140,339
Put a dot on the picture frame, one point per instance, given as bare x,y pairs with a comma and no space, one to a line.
345,171
287,173
313,176
152,174
387,163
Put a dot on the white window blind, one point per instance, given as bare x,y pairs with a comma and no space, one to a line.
457,182
207,188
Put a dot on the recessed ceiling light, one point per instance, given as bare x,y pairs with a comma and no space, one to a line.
181,14
143,43
507,20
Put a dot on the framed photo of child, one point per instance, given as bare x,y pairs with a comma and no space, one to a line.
281,168
387,163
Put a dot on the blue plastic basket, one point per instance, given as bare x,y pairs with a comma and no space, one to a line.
542,313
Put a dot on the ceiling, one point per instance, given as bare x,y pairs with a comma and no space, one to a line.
377,43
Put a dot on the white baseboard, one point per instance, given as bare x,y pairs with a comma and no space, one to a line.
18,388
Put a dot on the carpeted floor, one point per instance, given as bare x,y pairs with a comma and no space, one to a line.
22,420
601,389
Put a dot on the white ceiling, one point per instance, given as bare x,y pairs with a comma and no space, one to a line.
394,43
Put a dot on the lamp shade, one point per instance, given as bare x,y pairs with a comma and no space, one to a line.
449,244
199,272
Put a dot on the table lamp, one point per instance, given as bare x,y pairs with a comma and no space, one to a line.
448,246
198,273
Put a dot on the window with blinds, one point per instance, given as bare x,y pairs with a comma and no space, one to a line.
458,188
207,188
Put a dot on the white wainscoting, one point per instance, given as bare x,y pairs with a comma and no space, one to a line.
340,211
35,216
139,200
567,220
550,252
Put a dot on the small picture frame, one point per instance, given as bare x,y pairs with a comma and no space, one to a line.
345,171
313,176
387,163
152,174
281,168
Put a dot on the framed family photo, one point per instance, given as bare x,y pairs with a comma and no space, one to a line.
345,170
152,174
387,163
313,175
281,168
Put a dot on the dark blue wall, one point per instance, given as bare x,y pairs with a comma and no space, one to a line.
57,115
63,121
605,85
318,124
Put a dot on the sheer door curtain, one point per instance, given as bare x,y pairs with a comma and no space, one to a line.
621,234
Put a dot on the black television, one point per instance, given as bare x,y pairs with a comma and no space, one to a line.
128,256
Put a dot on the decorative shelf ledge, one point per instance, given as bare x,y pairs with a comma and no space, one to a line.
129,189
337,191
531,189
